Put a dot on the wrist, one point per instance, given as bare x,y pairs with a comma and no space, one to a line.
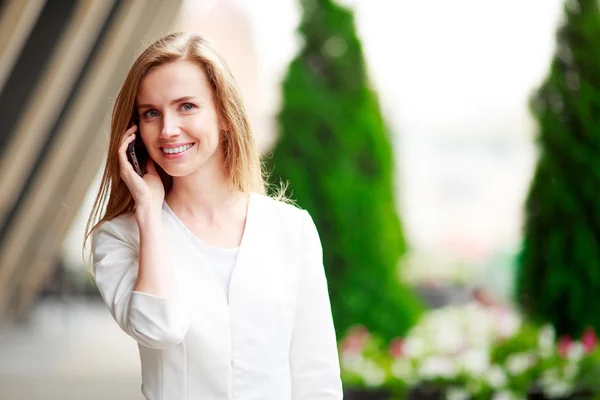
147,213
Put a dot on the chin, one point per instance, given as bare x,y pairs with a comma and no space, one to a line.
179,171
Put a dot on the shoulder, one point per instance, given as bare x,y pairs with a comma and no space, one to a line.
286,226
270,205
281,216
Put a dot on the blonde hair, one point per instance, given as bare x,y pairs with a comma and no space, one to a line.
241,157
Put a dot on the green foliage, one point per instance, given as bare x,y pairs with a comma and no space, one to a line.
559,273
335,152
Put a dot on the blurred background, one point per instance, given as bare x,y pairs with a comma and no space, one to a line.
441,115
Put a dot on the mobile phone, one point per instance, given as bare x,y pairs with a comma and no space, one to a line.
137,155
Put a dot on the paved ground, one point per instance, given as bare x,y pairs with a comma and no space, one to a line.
70,349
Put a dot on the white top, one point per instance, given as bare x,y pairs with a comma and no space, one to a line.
220,261
274,340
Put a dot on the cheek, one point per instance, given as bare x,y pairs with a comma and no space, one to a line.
205,124
149,135
208,134
145,130
150,131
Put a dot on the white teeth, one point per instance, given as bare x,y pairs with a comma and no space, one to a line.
176,150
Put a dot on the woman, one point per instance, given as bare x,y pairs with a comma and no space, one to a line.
222,287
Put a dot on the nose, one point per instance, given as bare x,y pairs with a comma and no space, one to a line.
170,128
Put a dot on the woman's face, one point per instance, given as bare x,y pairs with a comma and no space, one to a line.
178,121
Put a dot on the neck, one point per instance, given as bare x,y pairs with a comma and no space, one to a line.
204,194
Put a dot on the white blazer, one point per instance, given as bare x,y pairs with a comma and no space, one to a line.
273,340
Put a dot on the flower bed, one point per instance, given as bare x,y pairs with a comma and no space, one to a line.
472,352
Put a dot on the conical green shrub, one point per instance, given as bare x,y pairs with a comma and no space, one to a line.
334,150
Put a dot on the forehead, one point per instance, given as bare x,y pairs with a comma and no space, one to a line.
174,80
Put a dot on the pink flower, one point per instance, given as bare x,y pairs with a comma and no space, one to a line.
355,340
589,340
397,348
564,345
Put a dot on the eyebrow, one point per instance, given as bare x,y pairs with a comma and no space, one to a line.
178,100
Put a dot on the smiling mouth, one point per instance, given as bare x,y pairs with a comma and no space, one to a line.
177,150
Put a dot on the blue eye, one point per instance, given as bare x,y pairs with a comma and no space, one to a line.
188,106
151,113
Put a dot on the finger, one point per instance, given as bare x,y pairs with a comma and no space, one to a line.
131,129
124,146
128,134
126,141
124,163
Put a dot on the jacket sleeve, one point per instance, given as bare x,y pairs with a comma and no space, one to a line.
314,361
154,322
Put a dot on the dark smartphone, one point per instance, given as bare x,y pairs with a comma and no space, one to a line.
137,154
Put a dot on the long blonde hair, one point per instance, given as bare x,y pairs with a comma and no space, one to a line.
242,160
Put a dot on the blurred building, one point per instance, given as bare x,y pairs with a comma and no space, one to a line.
61,62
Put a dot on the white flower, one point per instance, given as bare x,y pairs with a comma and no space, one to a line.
475,361
353,362
455,393
546,338
558,389
372,374
450,330
554,385
437,366
504,395
449,340
576,352
507,322
479,328
414,346
496,377
520,362
549,376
